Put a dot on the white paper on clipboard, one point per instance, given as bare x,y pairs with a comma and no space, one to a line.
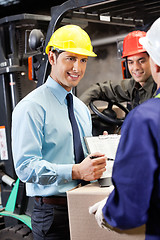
106,144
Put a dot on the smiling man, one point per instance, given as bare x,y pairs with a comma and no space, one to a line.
139,67
135,90
68,69
48,130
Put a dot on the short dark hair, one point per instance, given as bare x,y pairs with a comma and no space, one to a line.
141,52
56,51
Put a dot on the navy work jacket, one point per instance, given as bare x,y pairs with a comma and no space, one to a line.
136,173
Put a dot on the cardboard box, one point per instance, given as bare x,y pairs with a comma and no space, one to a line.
83,226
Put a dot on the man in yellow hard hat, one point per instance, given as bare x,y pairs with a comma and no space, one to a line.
48,130
135,90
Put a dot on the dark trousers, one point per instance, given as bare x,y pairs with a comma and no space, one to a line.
50,222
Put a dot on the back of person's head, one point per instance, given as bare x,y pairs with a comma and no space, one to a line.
131,45
152,41
71,38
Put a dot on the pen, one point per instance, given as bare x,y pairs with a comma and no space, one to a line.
109,159
92,157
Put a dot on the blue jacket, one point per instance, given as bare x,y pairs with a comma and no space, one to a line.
136,172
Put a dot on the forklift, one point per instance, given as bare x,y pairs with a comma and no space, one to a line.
24,66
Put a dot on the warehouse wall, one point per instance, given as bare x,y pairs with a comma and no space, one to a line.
102,69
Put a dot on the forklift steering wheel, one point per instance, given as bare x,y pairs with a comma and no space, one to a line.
109,115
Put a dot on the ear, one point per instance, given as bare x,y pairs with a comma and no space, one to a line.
52,58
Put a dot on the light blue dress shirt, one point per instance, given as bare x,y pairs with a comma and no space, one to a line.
42,140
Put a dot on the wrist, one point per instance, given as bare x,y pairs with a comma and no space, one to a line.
75,172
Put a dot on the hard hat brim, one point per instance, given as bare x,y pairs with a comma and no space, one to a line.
78,51
81,52
134,52
145,43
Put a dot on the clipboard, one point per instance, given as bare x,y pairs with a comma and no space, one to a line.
106,144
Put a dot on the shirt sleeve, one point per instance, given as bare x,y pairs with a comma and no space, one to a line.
102,91
133,173
27,140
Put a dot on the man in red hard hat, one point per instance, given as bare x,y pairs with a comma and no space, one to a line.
135,90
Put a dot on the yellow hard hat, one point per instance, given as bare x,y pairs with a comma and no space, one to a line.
71,38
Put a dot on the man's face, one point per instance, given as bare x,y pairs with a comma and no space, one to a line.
68,69
139,67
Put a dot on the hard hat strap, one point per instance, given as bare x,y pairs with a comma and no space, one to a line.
56,49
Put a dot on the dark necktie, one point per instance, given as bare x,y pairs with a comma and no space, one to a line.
78,150
136,95
135,98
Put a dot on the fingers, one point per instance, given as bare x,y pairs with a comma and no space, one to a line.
97,173
91,168
96,155
97,166
99,161
96,209
93,209
105,133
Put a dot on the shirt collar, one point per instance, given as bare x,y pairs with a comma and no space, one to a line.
58,91
147,86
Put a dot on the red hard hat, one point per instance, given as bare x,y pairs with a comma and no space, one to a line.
131,43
